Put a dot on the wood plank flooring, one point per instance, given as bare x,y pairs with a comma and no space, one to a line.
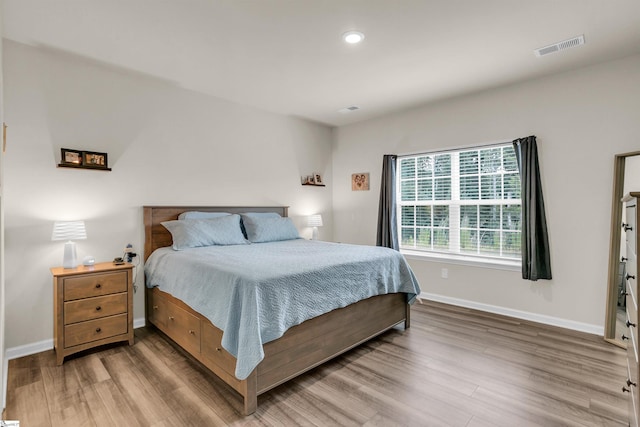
454,367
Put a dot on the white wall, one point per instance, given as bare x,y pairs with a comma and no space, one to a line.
3,363
581,119
166,145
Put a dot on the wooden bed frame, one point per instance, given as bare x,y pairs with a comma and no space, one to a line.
301,348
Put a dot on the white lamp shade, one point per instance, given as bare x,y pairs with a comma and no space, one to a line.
69,230
314,220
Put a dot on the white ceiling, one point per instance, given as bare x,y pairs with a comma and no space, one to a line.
287,56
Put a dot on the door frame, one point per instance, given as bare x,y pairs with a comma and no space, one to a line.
614,246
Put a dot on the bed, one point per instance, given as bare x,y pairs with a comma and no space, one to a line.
295,350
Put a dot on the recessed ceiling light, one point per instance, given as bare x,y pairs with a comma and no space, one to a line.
349,109
353,37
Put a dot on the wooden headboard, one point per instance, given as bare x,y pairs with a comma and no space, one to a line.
156,236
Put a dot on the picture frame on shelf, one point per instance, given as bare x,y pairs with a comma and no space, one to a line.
313,180
70,157
94,160
80,159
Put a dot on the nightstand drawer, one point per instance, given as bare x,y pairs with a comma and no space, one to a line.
94,308
93,285
94,330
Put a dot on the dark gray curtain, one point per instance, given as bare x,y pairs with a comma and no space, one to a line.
387,225
536,260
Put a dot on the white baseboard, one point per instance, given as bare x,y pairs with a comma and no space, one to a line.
524,315
38,347
28,349
139,323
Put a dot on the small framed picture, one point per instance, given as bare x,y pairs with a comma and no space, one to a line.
91,159
360,181
70,157
317,179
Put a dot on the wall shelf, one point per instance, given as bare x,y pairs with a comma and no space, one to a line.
84,167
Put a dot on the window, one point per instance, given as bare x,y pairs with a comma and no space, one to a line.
461,203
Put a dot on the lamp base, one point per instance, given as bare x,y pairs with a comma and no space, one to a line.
314,233
70,260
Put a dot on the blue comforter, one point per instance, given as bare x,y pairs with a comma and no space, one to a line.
255,292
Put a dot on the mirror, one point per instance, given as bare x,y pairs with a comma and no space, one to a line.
626,178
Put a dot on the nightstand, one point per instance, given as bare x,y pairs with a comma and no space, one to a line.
92,306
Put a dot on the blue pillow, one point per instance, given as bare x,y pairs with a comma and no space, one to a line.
193,233
201,215
260,215
246,215
262,229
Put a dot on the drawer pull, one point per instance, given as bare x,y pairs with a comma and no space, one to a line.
630,277
624,337
623,259
627,227
625,390
171,318
631,383
623,293
98,330
192,332
218,349
155,307
98,285
98,308
630,325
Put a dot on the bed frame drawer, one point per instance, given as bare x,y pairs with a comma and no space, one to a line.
157,311
183,327
213,351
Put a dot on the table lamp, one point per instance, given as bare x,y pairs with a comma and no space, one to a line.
314,221
69,230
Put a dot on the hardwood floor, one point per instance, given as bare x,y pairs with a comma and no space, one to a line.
454,367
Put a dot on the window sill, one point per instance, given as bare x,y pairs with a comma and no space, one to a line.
497,264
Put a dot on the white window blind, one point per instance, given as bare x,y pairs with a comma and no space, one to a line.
463,202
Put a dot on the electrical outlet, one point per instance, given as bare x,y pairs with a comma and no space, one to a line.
444,273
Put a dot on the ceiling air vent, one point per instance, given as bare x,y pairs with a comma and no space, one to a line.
350,109
556,47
